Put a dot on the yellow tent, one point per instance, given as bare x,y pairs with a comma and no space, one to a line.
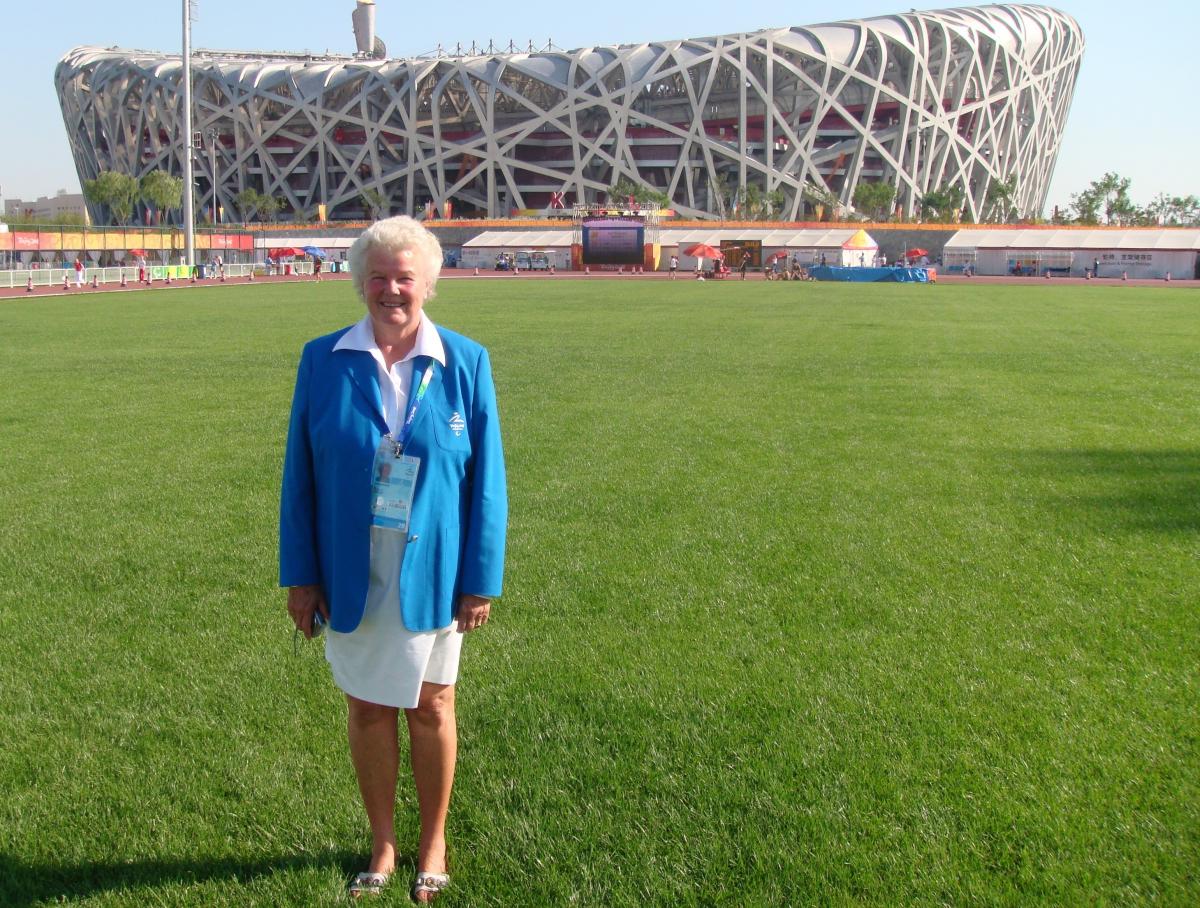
860,240
859,251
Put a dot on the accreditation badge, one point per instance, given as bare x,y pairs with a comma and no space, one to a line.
395,481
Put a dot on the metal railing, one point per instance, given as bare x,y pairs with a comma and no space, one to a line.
43,278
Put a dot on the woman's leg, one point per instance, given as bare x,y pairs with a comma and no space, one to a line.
433,734
376,756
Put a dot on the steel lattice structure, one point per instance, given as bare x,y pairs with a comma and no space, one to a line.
965,98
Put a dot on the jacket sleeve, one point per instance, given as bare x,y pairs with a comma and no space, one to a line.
487,510
298,560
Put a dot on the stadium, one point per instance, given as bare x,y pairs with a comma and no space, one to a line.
972,100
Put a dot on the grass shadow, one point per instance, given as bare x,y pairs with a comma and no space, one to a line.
23,884
1133,489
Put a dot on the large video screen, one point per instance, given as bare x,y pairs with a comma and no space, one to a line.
613,241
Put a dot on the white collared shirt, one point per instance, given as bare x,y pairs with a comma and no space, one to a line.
382,661
394,383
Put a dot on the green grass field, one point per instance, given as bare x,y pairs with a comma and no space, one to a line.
816,594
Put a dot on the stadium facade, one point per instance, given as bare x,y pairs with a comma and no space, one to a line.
973,98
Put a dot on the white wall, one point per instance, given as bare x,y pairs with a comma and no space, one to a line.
1113,263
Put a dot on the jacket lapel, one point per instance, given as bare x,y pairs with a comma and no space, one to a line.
424,419
364,374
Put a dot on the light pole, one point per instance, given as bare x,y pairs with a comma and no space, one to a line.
212,169
189,215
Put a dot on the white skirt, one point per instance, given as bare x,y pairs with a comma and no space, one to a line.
381,661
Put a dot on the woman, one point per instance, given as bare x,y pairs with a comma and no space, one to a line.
392,528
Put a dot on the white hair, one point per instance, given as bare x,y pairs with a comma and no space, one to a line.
394,235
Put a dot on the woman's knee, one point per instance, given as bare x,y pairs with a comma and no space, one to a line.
435,706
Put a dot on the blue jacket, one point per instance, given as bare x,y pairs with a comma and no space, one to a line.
460,508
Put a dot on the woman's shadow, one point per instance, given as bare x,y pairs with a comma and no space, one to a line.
24,884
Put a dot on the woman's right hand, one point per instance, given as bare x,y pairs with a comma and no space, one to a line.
302,603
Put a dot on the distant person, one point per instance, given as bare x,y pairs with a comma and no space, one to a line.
822,259
78,272
1096,268
141,269
317,268
674,266
742,266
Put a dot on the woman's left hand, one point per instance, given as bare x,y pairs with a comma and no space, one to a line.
473,612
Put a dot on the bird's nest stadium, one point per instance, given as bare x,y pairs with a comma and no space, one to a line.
974,98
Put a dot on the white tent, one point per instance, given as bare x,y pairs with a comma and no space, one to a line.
481,251
1144,252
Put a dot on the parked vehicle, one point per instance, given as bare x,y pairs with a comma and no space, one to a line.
502,263
539,261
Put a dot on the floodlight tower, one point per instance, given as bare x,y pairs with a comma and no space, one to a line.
189,216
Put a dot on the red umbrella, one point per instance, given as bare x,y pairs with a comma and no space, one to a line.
704,251
286,250
916,253
781,254
141,252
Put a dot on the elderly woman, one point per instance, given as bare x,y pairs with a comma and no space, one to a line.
392,527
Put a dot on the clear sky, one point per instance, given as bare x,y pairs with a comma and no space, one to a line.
1135,107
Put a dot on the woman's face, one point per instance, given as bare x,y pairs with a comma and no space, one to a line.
396,287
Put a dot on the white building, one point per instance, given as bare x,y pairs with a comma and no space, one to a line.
1134,252
48,208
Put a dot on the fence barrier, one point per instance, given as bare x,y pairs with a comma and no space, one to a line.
52,278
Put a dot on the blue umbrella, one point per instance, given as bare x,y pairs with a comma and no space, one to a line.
313,251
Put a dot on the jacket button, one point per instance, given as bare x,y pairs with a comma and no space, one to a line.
413,538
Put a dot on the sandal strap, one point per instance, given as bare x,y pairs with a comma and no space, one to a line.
431,882
369,882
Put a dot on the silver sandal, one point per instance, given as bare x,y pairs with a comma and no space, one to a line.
429,883
368,884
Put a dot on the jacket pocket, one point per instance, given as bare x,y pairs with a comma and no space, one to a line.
444,564
450,430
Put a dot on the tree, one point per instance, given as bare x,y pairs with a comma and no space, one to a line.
874,198
375,202
752,204
999,203
944,204
821,198
247,202
1108,195
255,206
66,219
269,206
621,191
117,191
1173,211
161,191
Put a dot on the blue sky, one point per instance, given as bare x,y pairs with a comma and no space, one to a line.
1135,107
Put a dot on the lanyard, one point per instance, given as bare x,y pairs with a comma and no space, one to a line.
414,406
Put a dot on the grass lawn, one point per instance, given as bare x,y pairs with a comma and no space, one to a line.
817,594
